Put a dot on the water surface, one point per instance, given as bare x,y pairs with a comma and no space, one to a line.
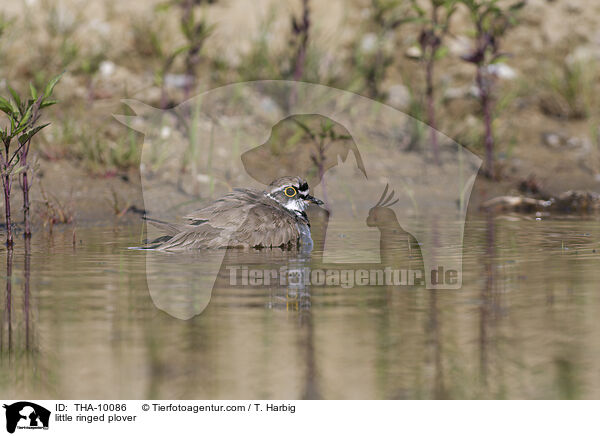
524,325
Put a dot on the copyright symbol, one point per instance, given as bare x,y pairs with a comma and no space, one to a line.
145,407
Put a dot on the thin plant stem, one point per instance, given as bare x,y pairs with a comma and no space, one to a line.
487,121
6,182
431,111
25,187
303,29
8,304
434,43
300,29
26,289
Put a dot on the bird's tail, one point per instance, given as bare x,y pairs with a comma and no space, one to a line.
169,228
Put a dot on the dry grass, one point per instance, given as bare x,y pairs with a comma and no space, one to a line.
52,211
569,90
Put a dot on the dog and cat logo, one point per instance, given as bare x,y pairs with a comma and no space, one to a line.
26,415
360,148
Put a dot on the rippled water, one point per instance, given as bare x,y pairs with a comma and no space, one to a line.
524,325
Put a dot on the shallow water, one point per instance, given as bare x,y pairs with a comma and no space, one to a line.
524,325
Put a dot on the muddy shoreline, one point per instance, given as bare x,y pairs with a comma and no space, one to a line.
71,196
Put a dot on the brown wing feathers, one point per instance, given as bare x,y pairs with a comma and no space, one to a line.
243,218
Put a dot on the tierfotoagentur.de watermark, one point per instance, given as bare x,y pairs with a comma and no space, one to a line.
232,138
240,275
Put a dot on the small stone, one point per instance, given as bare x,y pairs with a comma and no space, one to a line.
165,132
552,139
178,80
268,105
460,45
107,68
583,54
502,71
455,93
368,42
398,96
413,52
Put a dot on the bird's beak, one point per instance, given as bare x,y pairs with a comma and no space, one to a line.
312,199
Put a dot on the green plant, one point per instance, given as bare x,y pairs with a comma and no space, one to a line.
416,129
259,62
103,156
302,58
5,23
372,56
119,206
61,25
23,124
491,22
322,139
195,31
569,89
434,26
148,33
55,212
300,32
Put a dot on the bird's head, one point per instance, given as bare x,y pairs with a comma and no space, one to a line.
292,193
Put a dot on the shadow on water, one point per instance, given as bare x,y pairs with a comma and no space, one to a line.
15,330
486,306
7,347
26,288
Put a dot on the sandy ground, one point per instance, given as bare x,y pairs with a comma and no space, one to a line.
118,199
548,29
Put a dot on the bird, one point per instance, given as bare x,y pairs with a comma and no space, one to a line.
244,218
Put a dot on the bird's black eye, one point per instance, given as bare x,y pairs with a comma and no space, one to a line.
290,191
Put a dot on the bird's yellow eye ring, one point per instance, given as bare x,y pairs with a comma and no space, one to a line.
290,191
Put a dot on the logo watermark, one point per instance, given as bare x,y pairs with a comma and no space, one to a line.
387,201
24,415
242,275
